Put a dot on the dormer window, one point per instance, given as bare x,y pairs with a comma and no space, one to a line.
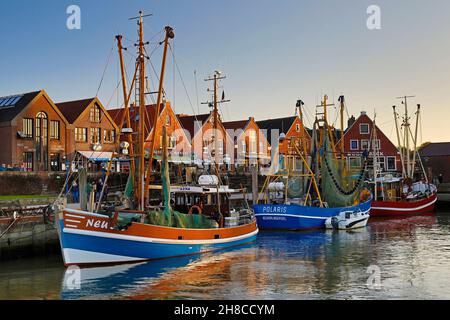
364,128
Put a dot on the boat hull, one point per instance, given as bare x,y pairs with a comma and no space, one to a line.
403,208
88,239
295,217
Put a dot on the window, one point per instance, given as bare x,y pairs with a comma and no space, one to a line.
41,138
95,114
364,144
252,142
172,142
297,127
27,128
364,128
28,161
109,136
391,163
55,162
81,134
96,135
54,130
354,162
168,121
382,163
354,145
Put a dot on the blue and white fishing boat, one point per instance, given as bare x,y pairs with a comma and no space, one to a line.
297,217
293,197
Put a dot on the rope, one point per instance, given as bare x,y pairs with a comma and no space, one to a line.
9,227
104,71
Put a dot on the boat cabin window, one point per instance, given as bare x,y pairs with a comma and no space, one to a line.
180,200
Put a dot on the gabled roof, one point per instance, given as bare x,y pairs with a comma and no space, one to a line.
8,113
73,109
189,122
436,149
281,124
236,125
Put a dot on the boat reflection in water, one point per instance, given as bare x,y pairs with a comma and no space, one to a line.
292,265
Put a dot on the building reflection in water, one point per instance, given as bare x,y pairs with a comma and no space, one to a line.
308,265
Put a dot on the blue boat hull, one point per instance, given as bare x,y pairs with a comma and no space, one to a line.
97,248
295,217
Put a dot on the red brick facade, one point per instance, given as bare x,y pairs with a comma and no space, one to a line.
357,138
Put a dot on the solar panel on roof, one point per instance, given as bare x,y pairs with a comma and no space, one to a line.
3,101
9,101
15,100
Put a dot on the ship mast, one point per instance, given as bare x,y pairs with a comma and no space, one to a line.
342,105
215,104
169,35
407,129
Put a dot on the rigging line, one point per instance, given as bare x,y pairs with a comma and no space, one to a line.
183,83
196,90
115,90
104,71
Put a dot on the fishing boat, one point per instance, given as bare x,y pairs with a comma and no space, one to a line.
409,193
293,197
95,233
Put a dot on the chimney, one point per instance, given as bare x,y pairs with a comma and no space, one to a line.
351,121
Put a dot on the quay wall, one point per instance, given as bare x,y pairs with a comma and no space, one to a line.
30,237
43,183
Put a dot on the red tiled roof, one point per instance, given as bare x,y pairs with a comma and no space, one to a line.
73,109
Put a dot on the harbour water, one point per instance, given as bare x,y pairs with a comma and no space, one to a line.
412,256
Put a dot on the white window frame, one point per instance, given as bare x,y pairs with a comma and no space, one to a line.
357,145
350,162
364,141
387,163
364,124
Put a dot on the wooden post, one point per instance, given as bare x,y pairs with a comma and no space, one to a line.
255,190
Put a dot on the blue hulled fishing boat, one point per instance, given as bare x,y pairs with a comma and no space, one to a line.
306,188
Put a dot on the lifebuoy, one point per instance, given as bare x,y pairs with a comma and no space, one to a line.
199,210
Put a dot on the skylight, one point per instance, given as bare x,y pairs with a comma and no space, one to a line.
10,101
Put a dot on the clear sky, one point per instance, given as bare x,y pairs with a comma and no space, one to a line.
273,53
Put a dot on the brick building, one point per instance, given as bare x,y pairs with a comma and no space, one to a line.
287,129
436,160
357,138
91,131
250,142
179,143
201,130
33,132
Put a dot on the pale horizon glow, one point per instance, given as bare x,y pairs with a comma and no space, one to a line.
273,53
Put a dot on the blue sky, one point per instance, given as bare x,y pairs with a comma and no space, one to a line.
273,53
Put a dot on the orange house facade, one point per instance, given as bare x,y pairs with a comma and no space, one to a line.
251,146
284,130
358,138
91,131
33,132
201,131
178,142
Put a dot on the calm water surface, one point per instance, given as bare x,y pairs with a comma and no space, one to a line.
413,255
